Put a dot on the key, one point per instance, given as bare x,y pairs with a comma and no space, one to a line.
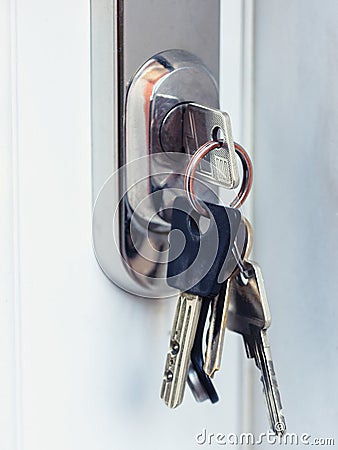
197,259
181,341
197,358
249,315
200,124
220,303
216,332
195,263
220,166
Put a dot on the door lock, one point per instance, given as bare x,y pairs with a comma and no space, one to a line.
171,109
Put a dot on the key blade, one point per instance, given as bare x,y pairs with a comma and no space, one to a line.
220,306
198,390
258,279
181,341
197,360
272,397
216,332
249,315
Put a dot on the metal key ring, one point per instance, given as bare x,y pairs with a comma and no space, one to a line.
192,167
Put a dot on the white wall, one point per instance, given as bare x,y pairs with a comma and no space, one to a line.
296,203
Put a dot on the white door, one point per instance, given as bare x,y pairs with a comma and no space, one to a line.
80,360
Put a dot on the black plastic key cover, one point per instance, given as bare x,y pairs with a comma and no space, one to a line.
196,257
197,361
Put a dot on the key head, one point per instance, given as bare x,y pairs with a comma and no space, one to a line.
248,305
196,257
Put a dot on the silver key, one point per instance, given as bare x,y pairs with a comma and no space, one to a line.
220,304
199,125
216,332
249,315
181,341
222,165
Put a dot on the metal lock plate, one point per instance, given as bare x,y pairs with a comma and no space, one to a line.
131,218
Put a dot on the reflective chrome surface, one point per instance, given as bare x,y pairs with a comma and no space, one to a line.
125,34
168,79
131,219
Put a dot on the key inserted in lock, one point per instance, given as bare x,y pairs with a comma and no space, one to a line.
170,110
188,126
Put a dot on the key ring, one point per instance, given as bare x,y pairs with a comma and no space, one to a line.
196,159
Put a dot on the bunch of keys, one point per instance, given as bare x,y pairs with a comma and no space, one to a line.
216,278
